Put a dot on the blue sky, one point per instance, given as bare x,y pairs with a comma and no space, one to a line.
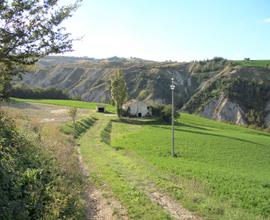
180,30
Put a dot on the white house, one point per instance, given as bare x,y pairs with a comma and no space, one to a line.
137,108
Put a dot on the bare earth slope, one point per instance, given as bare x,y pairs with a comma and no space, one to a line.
217,88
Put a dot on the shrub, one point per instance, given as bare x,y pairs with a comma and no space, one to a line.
32,185
164,112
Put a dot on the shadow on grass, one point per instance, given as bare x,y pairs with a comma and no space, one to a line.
156,121
80,127
192,126
106,133
137,121
214,135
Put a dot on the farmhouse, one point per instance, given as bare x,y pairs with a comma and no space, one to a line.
137,108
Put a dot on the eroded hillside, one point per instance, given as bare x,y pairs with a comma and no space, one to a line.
216,88
90,79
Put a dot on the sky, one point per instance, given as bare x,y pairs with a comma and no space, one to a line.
177,30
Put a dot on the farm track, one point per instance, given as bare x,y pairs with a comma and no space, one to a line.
129,170
101,204
53,116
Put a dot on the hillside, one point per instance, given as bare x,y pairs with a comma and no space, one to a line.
89,79
236,91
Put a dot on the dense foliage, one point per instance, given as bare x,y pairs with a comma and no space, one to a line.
119,91
164,112
30,30
32,185
26,92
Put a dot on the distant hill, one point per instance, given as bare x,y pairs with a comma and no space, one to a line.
235,91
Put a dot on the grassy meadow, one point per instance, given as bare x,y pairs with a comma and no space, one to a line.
229,164
253,63
68,103
221,171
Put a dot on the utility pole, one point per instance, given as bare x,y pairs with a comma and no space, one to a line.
172,88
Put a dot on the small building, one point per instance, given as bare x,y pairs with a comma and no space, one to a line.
137,108
100,108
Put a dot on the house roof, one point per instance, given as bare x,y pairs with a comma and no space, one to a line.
134,101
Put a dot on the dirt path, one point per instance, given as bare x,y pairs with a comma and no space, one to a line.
134,172
175,209
101,208
98,207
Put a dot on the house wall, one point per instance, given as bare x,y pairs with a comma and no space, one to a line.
137,108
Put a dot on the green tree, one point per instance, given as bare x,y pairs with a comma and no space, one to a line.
72,113
118,91
30,30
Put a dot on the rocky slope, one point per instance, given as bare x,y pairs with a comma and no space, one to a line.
217,88
236,94
90,79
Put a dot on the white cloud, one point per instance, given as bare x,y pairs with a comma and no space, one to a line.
267,20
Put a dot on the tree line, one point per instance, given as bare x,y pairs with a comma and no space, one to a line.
24,91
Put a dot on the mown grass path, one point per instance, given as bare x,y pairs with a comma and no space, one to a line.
128,179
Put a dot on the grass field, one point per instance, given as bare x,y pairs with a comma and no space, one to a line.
253,63
229,164
69,103
221,170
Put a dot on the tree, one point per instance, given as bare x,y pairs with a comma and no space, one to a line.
73,114
29,30
118,91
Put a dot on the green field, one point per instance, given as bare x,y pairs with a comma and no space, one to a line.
69,103
221,171
253,63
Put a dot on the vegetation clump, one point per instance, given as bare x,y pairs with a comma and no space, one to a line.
32,184
79,127
164,112
26,92
118,91
72,113
30,30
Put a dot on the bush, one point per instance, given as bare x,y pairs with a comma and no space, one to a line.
164,112
32,185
